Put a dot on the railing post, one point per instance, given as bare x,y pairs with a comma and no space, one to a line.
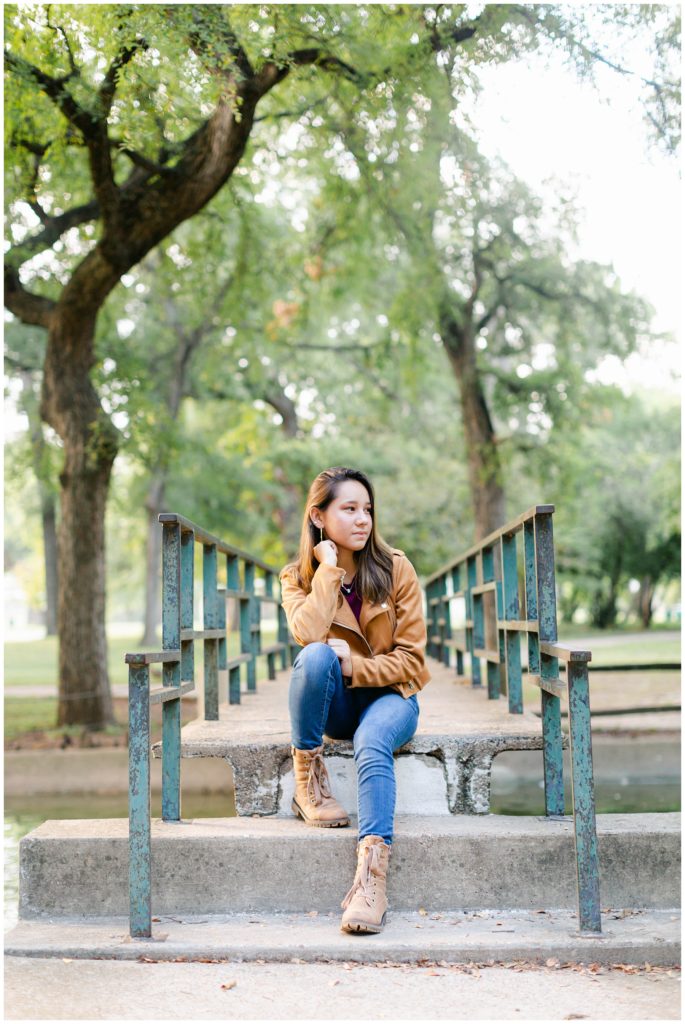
512,639
430,621
187,603
171,671
271,657
552,740
493,669
456,587
233,583
582,788
441,613
246,620
531,596
210,601
471,581
139,829
499,595
283,637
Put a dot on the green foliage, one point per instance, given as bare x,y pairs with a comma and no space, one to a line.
616,482
315,276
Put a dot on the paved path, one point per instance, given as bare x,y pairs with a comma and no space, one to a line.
87,989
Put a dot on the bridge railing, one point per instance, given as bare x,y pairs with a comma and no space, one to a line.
179,536
508,586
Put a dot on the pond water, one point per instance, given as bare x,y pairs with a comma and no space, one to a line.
630,777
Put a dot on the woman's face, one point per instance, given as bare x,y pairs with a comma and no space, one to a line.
347,521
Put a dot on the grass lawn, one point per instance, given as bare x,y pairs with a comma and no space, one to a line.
613,648
35,663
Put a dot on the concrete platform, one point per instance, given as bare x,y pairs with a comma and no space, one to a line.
444,769
634,937
51,989
228,865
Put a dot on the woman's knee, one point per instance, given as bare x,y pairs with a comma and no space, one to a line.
316,658
371,743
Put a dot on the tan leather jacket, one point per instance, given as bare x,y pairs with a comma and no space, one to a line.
387,645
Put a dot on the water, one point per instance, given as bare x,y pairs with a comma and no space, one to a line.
631,777
21,816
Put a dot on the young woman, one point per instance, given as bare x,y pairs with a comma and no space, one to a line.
354,604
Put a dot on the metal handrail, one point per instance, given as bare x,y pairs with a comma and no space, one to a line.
487,572
179,536
488,579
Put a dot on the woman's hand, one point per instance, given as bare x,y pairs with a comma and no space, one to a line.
342,649
326,551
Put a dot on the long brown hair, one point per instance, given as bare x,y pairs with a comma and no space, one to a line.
373,577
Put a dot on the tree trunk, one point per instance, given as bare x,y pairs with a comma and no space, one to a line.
47,499
71,406
485,471
645,599
288,514
49,516
153,558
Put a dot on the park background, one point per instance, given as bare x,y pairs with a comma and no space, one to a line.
521,200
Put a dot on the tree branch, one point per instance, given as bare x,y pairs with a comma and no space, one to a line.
271,73
124,57
56,90
223,37
58,28
335,348
53,228
27,307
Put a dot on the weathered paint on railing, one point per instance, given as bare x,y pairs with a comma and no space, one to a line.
179,536
492,566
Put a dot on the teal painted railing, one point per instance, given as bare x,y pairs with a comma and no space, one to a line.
179,537
509,590
488,577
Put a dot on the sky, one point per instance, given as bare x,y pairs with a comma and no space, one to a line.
548,125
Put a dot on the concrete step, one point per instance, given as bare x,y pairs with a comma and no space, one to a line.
444,769
235,865
635,937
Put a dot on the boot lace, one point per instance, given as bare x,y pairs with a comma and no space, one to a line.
318,786
364,879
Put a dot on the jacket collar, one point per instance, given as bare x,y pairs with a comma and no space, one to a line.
346,616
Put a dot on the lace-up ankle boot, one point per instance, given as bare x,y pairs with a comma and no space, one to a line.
313,800
366,903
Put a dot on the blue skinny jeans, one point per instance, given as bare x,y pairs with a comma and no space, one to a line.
377,719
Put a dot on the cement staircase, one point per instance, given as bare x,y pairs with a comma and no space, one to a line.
462,886
444,769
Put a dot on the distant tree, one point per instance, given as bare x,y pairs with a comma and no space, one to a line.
124,121
616,479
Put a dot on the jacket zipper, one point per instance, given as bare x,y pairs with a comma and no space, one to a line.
355,631
335,622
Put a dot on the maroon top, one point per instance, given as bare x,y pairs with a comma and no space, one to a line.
355,602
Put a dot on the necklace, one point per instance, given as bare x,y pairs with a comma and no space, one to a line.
350,586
